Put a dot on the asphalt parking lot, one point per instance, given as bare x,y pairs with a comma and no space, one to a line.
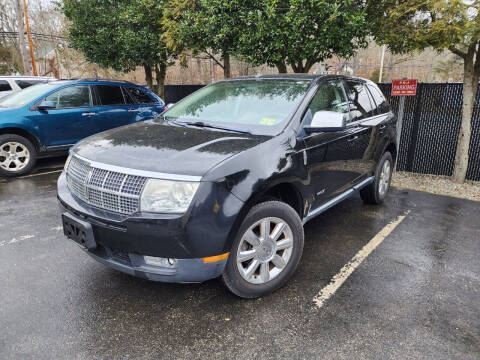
416,295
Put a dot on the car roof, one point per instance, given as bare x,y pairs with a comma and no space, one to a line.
97,81
26,77
304,77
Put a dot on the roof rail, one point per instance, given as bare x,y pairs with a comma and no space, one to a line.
101,79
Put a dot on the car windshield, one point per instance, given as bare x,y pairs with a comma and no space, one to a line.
23,97
258,106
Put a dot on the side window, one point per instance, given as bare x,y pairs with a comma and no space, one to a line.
137,96
71,97
359,101
110,95
4,85
26,83
330,97
380,100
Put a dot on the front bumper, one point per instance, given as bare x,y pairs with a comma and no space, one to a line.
121,241
186,270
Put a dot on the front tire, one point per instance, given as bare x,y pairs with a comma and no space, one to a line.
17,155
266,250
376,192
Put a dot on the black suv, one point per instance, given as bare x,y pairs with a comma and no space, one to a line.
222,182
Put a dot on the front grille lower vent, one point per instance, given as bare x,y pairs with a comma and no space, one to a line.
105,189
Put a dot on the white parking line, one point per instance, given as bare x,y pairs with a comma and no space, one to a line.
45,173
15,240
329,290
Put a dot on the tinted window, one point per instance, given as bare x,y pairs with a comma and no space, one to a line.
359,101
73,96
110,95
379,99
26,83
137,96
330,97
4,85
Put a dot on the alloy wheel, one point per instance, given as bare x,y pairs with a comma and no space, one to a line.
14,156
384,182
264,250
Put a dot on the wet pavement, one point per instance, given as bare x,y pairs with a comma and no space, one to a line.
416,296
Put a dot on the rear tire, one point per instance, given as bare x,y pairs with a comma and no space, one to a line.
270,243
17,155
376,192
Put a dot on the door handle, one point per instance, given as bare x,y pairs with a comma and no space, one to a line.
133,110
352,138
89,114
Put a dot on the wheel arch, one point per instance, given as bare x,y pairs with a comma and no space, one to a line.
24,133
392,148
286,192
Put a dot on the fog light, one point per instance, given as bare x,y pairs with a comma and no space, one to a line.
158,261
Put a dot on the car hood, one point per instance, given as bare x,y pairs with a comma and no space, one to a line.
160,147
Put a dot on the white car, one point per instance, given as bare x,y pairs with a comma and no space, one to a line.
9,84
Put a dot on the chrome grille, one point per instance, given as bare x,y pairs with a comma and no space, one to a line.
105,189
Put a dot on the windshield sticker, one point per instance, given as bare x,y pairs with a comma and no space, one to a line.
268,121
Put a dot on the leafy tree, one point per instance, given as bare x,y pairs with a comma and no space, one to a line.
408,25
301,33
119,34
209,26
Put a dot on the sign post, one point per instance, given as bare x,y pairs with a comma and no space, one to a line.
402,88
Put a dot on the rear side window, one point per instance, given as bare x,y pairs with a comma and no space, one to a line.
4,85
137,96
359,101
71,97
26,83
110,95
382,105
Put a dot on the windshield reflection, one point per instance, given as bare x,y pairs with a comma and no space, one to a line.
25,96
265,103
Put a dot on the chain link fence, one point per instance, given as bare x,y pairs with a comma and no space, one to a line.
430,129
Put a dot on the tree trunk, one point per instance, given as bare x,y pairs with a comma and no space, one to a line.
226,65
300,68
21,38
148,76
470,86
160,73
282,68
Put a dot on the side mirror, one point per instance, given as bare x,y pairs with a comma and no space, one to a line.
326,121
46,105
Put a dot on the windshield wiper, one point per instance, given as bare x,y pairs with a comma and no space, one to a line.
203,125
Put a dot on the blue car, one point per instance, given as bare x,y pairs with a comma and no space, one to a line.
47,119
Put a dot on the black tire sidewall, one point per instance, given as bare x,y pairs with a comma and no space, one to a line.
232,277
385,157
31,148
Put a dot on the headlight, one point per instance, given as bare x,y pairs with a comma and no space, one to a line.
67,162
165,196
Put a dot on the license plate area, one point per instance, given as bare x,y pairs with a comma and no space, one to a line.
79,231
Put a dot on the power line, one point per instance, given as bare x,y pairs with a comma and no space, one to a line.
36,36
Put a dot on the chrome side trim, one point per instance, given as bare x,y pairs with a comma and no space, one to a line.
135,172
324,207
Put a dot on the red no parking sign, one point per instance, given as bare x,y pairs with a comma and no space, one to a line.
407,87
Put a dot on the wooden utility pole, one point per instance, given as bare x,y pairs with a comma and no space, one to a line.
29,36
21,37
